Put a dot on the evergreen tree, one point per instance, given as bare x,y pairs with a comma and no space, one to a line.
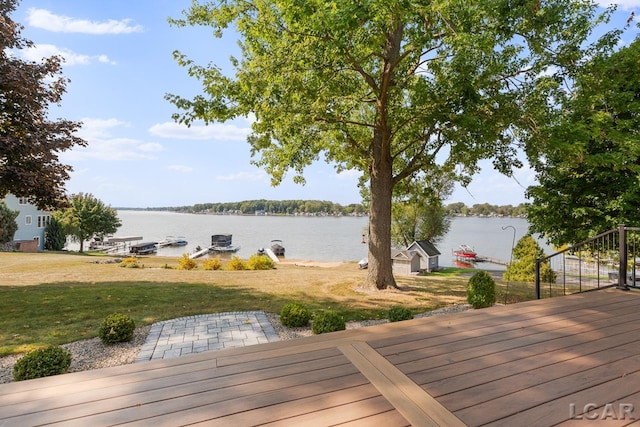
523,266
8,224
54,236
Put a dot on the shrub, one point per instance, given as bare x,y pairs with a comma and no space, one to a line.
481,290
186,263
44,362
294,315
211,264
117,328
236,263
327,321
130,262
260,262
399,313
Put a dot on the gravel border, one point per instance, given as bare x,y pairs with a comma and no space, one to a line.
94,354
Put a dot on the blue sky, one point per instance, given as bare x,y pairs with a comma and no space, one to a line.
118,56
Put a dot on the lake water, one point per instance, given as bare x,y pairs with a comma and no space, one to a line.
327,239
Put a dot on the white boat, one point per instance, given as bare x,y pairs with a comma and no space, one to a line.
145,248
364,263
172,241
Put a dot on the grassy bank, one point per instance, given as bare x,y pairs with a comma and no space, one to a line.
55,298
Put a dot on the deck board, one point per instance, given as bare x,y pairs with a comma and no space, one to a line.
522,364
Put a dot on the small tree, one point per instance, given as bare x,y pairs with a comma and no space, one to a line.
8,224
414,221
523,267
54,236
481,290
86,217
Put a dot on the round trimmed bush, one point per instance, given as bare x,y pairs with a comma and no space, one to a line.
236,264
186,263
294,315
212,264
481,290
44,362
117,328
399,313
260,262
327,321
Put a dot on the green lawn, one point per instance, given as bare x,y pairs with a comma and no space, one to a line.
54,298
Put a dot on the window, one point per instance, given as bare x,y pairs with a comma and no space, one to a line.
43,220
27,220
23,200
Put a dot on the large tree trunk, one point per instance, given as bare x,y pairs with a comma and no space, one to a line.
380,273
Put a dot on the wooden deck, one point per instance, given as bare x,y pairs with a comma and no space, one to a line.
530,364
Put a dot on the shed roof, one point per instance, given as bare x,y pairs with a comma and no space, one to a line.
427,247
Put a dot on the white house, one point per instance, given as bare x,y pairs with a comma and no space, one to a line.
32,223
428,254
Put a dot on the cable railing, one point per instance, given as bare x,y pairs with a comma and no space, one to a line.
606,260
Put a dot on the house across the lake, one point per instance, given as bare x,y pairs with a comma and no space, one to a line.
32,223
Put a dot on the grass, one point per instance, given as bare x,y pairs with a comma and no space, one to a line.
56,298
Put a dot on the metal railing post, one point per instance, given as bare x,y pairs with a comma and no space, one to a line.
538,279
622,272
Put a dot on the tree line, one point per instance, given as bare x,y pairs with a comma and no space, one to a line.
486,209
271,207
323,207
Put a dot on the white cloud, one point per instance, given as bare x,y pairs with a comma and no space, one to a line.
150,147
180,168
350,175
216,131
42,18
38,52
99,128
622,4
111,149
102,145
245,176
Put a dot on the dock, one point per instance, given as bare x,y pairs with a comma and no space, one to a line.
201,252
271,255
492,260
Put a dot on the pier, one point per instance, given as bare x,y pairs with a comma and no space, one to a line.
492,260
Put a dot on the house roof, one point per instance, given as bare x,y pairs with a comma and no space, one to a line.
427,247
404,255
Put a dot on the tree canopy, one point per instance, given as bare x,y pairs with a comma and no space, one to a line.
590,175
392,89
86,216
29,142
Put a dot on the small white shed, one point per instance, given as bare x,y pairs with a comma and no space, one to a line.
428,254
405,262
